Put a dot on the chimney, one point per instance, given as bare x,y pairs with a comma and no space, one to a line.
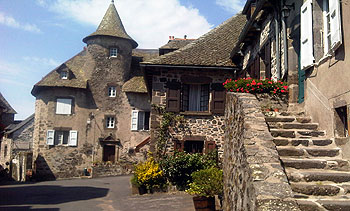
185,37
169,37
173,37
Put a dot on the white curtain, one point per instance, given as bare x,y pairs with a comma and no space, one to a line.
195,98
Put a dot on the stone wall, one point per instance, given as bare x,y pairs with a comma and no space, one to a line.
253,176
204,124
107,169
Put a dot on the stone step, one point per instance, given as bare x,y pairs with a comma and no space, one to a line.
316,189
280,119
307,151
293,125
293,133
301,142
317,175
304,163
336,204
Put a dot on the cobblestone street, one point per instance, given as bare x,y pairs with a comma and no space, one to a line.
110,193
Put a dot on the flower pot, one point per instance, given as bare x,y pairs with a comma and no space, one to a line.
142,190
202,203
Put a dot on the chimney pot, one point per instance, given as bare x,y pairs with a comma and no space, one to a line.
185,37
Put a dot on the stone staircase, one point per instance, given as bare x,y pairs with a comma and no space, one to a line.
319,177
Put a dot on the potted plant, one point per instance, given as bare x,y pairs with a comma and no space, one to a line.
205,185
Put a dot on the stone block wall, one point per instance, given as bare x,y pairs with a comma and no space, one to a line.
207,125
253,176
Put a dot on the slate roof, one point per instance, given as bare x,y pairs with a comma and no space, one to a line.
177,43
136,85
212,49
6,106
14,127
146,54
111,25
78,68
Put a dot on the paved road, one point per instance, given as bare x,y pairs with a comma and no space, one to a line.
110,193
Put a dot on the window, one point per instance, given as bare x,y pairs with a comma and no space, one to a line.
194,146
195,97
112,91
140,120
64,106
5,151
113,52
62,137
64,75
110,122
332,37
341,122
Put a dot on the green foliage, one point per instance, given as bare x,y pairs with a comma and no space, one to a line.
149,174
163,133
206,182
179,167
249,85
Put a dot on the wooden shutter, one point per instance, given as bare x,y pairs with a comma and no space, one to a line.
306,35
134,119
335,23
218,99
178,146
210,146
257,67
268,60
50,137
173,100
73,138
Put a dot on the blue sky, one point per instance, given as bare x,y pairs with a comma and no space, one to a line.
38,35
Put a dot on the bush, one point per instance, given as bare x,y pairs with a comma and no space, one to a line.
178,168
149,174
206,182
249,85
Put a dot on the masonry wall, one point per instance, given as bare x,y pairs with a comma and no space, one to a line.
327,85
254,178
207,125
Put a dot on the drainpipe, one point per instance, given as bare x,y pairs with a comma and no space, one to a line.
277,36
285,46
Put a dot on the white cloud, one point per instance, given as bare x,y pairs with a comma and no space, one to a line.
150,23
231,5
11,22
41,61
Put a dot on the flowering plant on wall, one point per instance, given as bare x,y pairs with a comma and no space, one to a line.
250,85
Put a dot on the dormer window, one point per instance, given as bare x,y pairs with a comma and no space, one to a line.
64,75
113,52
112,91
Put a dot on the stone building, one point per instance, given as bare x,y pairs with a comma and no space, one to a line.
174,44
7,115
17,148
188,81
93,108
310,41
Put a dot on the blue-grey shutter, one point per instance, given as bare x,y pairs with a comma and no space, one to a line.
50,137
335,23
73,138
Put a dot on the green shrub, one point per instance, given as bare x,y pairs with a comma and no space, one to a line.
206,182
178,168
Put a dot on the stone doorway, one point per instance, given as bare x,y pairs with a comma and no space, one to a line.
109,153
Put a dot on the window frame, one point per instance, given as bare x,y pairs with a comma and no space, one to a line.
332,26
113,52
53,140
135,120
186,87
110,122
112,91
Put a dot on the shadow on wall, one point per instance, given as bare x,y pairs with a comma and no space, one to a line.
26,208
42,170
48,194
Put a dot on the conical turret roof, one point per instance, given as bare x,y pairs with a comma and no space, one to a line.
111,25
